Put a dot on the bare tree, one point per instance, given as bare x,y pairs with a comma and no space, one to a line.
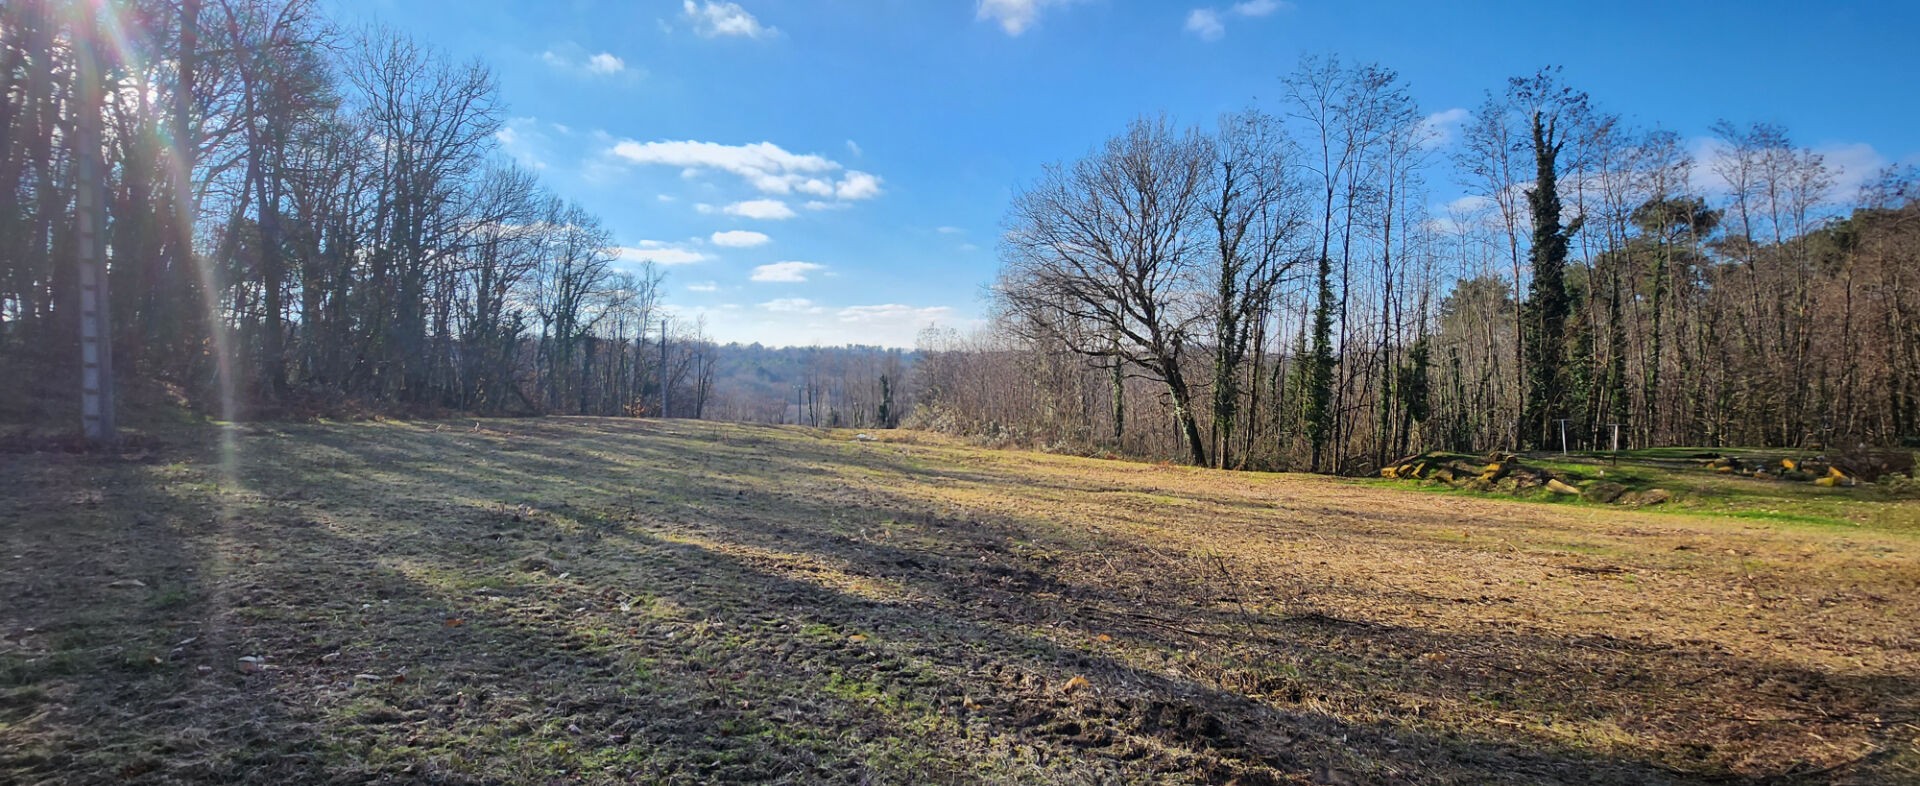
1107,247
1256,215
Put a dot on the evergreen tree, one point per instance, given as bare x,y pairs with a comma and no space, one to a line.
1319,402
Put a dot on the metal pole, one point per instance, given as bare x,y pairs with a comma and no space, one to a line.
96,350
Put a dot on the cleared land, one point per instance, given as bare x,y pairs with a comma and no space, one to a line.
591,600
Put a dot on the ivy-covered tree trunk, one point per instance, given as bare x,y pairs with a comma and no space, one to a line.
1616,352
1547,306
1413,390
1656,309
1320,366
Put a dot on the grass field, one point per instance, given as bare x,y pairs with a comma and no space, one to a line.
610,601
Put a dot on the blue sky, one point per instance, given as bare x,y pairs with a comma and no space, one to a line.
835,171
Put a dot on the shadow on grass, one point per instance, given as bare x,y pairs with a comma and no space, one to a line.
586,600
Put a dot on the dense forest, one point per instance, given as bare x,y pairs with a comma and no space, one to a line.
301,218
1277,292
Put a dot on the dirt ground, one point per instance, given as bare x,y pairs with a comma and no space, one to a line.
612,601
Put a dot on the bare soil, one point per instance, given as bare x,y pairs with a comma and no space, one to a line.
611,601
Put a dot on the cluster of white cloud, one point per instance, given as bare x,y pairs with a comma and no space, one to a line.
788,272
1441,128
880,314
1014,16
760,209
571,58
660,252
765,166
1210,24
1850,167
894,313
717,19
739,238
521,138
797,321
792,305
1207,22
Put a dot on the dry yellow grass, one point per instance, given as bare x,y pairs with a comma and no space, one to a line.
608,600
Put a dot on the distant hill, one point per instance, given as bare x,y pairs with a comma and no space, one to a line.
853,386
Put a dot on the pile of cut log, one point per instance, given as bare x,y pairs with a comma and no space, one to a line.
1507,472
1840,471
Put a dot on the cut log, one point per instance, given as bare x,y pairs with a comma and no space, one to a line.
1605,492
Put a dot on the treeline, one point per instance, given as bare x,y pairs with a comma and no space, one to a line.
299,216
837,387
1276,292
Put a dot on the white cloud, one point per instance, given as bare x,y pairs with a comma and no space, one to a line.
606,63
1205,23
854,148
704,209
665,197
714,19
660,253
857,185
571,57
949,230
1208,24
703,286
765,166
793,305
1850,165
1014,16
815,204
1259,7
523,139
763,209
785,272
796,322
1854,166
751,161
893,312
1442,127
739,238
1470,204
